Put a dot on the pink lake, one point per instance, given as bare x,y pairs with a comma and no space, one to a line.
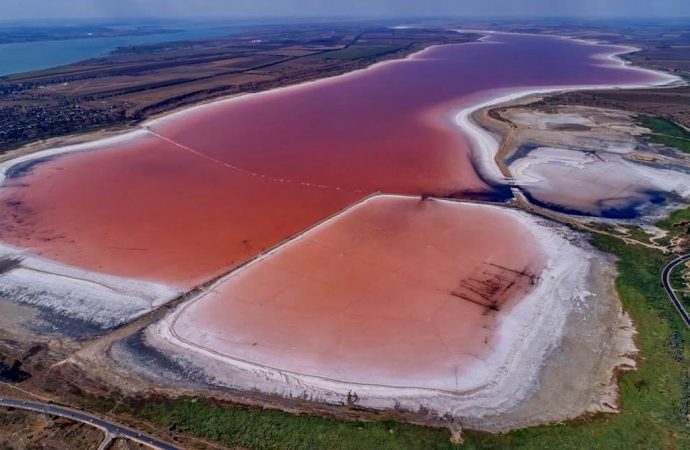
217,185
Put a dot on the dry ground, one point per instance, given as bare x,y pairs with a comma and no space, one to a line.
21,430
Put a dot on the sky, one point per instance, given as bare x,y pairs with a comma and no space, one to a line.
107,9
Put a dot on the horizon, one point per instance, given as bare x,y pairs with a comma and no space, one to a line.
226,20
25,10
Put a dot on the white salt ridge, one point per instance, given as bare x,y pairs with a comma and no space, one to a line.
102,300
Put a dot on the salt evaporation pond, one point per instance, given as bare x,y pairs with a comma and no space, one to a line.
391,292
416,304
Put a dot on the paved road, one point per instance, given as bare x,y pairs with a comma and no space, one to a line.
666,281
110,429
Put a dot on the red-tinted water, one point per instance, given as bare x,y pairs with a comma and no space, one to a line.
390,292
180,213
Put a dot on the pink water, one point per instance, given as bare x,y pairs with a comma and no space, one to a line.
396,291
229,180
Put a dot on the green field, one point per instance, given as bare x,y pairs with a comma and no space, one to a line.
679,283
363,51
665,132
676,224
656,398
265,429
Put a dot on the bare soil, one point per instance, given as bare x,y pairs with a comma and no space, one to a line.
20,430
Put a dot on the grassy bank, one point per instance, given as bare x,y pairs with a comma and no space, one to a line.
680,284
255,428
677,225
656,398
666,132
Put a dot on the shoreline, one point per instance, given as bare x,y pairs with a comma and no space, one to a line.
485,144
117,138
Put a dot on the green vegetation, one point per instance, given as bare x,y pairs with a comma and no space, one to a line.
676,224
665,132
656,397
256,428
676,278
638,234
357,52
679,283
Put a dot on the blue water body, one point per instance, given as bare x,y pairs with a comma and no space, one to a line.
27,56
633,210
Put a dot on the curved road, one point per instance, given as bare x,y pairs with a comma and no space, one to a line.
666,281
111,430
